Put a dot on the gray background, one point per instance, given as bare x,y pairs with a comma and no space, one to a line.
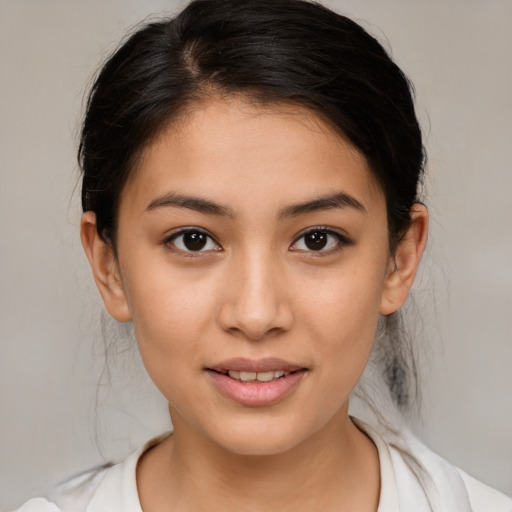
58,411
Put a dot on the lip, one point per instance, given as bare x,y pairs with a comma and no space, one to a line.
256,394
266,364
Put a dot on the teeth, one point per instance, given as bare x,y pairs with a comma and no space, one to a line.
245,376
265,376
257,376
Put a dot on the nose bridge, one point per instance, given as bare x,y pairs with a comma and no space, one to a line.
256,302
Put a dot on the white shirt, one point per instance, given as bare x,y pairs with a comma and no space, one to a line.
440,488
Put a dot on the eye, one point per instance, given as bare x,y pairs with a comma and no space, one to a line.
192,240
320,240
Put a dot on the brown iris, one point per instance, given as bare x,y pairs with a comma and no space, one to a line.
194,240
316,241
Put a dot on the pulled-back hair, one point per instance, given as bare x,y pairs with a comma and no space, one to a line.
270,51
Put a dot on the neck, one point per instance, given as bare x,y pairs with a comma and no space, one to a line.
335,469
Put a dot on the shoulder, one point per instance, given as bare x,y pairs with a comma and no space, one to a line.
448,486
38,505
74,495
484,498
110,487
415,479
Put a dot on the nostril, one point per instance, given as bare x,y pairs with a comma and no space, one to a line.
254,309
256,334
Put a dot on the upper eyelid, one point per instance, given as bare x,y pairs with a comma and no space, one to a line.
325,229
182,231
187,229
343,241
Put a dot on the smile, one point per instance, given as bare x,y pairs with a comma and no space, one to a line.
257,376
256,383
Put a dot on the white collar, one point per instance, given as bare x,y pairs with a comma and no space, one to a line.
401,489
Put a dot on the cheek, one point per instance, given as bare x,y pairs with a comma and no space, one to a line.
341,312
170,310
341,299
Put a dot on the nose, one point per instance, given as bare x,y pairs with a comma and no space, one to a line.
255,299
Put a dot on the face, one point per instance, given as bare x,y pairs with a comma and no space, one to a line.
253,260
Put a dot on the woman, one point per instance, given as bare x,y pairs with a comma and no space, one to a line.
250,196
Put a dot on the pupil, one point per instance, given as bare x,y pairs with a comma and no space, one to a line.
194,241
316,241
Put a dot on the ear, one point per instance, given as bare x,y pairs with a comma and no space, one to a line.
404,263
105,268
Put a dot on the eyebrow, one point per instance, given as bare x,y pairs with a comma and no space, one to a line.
330,202
197,204
333,201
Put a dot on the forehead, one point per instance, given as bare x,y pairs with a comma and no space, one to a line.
231,148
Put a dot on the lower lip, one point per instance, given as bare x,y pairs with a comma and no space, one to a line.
256,394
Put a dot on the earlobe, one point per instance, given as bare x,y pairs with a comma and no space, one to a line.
404,263
105,268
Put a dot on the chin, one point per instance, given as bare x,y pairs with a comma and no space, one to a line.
258,445
265,437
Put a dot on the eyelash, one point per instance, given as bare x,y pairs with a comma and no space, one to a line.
170,242
341,241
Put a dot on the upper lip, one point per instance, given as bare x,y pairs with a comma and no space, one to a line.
267,364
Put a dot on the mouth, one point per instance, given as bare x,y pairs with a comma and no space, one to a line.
256,370
256,382
245,376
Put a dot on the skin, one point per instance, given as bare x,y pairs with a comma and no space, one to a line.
256,290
